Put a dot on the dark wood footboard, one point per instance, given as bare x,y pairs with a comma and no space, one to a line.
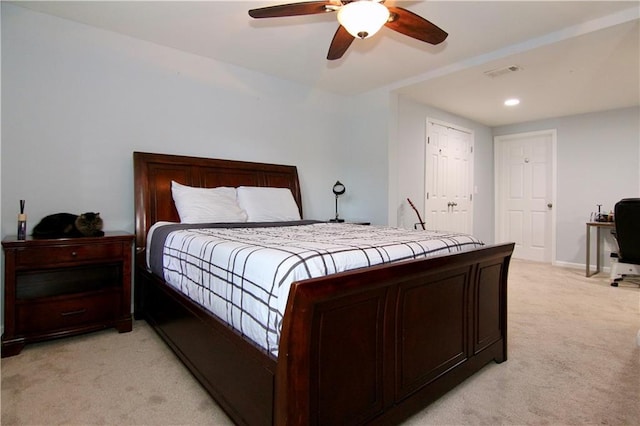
371,346
377,345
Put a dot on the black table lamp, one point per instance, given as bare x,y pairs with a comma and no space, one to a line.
338,189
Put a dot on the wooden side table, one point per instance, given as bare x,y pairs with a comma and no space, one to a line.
61,287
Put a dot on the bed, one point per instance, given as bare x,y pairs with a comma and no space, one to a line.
367,346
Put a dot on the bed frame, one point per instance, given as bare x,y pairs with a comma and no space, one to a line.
370,346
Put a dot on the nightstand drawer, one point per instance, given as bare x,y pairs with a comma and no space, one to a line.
67,313
47,256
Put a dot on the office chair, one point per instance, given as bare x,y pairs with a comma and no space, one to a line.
627,219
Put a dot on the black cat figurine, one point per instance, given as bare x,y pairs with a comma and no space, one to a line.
67,225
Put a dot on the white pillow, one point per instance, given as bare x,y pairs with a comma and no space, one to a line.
264,204
206,205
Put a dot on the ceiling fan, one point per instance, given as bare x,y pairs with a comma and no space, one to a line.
358,19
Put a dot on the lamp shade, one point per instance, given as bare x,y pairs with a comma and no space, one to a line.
363,18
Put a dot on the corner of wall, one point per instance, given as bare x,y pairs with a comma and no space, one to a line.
1,261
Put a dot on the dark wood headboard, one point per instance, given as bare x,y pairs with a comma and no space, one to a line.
153,174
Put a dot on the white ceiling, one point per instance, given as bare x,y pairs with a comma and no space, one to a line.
575,56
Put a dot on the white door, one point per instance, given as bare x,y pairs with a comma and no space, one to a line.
525,193
448,178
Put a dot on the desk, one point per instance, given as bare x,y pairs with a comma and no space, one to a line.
598,226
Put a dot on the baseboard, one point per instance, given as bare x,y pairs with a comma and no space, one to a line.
568,264
573,265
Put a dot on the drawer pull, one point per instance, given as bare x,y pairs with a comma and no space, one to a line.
78,312
74,254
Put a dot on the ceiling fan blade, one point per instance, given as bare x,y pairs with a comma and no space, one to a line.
412,25
292,9
340,43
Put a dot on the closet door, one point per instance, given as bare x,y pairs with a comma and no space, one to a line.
448,178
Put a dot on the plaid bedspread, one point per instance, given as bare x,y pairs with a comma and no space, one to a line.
243,274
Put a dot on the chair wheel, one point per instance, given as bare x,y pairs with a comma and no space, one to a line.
614,284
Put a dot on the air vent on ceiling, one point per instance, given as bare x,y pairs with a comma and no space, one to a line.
502,71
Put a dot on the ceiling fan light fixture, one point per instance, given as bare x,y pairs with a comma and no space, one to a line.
363,18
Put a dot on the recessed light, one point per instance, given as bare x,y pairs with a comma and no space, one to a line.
512,102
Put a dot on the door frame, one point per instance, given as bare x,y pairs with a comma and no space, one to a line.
501,141
471,176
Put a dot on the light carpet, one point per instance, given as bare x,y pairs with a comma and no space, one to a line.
573,359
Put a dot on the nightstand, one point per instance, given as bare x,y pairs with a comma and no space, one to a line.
61,287
360,223
351,222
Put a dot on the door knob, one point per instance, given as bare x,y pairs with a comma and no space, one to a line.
550,205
